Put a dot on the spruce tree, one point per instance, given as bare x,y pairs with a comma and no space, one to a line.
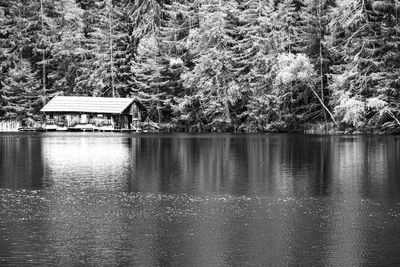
68,51
364,38
9,48
163,52
211,81
286,21
310,40
253,55
20,91
123,47
25,36
97,71
149,79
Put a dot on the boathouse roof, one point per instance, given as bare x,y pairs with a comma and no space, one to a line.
83,104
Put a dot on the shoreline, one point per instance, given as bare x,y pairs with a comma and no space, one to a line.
328,128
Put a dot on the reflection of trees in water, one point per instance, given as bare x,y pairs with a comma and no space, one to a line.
251,164
230,164
85,218
20,162
360,166
178,165
351,172
269,164
393,166
205,165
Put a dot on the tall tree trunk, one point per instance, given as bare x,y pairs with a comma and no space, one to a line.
43,55
224,88
321,58
111,47
226,107
158,108
325,107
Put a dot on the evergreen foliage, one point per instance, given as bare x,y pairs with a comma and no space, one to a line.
242,65
20,93
365,37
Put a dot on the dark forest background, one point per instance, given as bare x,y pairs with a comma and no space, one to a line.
255,65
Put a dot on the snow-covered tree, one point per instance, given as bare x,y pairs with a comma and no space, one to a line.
294,83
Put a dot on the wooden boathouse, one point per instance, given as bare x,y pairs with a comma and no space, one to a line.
80,113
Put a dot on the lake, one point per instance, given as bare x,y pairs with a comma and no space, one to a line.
199,200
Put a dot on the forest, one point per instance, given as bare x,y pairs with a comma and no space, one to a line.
207,65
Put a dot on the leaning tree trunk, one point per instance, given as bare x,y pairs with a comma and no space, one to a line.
321,59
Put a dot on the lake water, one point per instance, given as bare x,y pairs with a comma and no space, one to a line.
199,200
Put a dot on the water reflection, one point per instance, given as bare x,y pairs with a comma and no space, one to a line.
159,200
289,165
239,165
21,165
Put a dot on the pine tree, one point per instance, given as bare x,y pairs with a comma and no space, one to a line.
364,37
294,83
146,16
26,37
149,79
286,21
123,47
43,27
9,16
173,35
312,31
211,81
97,75
68,52
253,56
162,55
386,53
20,93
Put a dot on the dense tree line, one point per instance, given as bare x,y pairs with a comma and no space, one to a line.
242,65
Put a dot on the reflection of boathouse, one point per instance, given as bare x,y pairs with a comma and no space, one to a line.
92,113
